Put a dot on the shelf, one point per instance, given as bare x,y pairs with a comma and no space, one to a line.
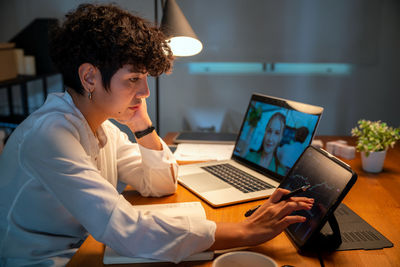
24,79
12,120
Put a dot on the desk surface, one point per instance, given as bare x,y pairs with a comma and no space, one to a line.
375,197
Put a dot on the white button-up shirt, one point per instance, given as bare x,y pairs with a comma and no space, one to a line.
58,182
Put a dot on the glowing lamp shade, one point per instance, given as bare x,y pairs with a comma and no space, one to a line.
183,46
182,39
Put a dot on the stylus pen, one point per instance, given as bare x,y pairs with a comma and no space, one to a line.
285,197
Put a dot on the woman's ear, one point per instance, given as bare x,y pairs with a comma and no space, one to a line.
87,75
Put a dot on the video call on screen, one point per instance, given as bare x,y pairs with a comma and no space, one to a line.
296,135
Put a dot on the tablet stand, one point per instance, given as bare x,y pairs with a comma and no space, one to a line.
323,242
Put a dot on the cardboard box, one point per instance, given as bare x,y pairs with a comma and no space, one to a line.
8,62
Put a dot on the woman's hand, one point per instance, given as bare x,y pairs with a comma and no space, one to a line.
274,216
140,120
264,224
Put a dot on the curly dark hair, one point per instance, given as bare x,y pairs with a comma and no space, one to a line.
107,37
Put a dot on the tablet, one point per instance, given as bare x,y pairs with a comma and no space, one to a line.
330,180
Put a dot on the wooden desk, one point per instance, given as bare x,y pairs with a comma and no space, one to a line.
375,197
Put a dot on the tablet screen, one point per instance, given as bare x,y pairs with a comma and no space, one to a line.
329,182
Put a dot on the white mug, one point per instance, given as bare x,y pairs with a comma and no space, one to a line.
244,259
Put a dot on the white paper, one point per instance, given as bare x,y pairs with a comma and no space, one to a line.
191,209
200,152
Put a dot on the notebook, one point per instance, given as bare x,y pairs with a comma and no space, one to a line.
273,135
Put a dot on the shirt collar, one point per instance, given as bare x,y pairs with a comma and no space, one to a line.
101,139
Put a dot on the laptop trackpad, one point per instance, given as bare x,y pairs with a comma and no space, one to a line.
204,182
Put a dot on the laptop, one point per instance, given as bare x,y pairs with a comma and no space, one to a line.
273,135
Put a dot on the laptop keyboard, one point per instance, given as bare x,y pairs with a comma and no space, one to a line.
237,178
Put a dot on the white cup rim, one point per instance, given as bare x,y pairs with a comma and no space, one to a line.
251,253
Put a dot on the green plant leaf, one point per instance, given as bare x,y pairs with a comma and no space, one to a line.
374,136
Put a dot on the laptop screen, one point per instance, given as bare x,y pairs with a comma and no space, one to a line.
274,134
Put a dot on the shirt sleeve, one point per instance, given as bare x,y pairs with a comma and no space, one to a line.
53,155
152,172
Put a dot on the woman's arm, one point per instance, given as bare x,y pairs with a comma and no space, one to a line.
150,172
55,158
141,121
155,172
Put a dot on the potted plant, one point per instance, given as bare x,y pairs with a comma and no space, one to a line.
373,140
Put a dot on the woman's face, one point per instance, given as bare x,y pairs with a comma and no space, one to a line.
124,99
273,135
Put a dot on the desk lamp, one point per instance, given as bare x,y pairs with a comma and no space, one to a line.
181,37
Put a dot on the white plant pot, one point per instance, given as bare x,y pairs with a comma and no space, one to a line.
374,162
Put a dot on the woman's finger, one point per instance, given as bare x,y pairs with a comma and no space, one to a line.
288,220
303,199
278,194
291,206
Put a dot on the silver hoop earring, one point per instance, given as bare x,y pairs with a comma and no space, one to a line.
90,95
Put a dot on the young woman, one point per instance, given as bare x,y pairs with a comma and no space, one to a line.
63,168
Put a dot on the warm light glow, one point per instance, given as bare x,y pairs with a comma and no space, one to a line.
182,46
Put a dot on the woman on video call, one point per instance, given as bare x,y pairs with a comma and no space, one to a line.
63,169
267,154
